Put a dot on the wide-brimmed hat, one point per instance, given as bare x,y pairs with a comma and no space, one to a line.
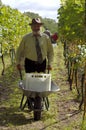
36,21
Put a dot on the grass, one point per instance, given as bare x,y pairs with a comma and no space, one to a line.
59,115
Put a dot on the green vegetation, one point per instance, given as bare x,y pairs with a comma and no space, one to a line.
13,26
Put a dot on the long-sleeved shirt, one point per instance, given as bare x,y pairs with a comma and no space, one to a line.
27,48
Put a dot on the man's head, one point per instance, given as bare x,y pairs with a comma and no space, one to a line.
35,25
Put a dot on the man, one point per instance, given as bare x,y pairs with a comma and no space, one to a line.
32,44
47,32
36,49
54,37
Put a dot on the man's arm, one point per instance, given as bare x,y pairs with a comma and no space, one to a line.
50,55
20,54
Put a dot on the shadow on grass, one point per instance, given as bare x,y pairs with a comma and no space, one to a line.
14,116
62,119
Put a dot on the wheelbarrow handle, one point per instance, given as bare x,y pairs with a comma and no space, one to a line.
21,103
48,71
20,74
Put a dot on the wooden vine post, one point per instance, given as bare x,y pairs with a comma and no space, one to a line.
84,94
2,59
85,66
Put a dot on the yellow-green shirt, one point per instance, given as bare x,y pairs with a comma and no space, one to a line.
27,48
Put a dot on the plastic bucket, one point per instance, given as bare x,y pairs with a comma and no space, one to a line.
38,82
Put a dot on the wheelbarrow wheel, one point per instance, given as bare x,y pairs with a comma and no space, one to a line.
37,108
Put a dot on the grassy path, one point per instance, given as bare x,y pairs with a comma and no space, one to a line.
69,118
63,113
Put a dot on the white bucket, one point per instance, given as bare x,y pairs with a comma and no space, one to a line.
38,82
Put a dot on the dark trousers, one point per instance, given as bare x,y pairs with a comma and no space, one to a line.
33,66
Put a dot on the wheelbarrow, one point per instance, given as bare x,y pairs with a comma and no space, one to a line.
36,87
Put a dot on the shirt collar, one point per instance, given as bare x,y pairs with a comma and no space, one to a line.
40,34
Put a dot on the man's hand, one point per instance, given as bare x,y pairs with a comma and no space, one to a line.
19,67
49,67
